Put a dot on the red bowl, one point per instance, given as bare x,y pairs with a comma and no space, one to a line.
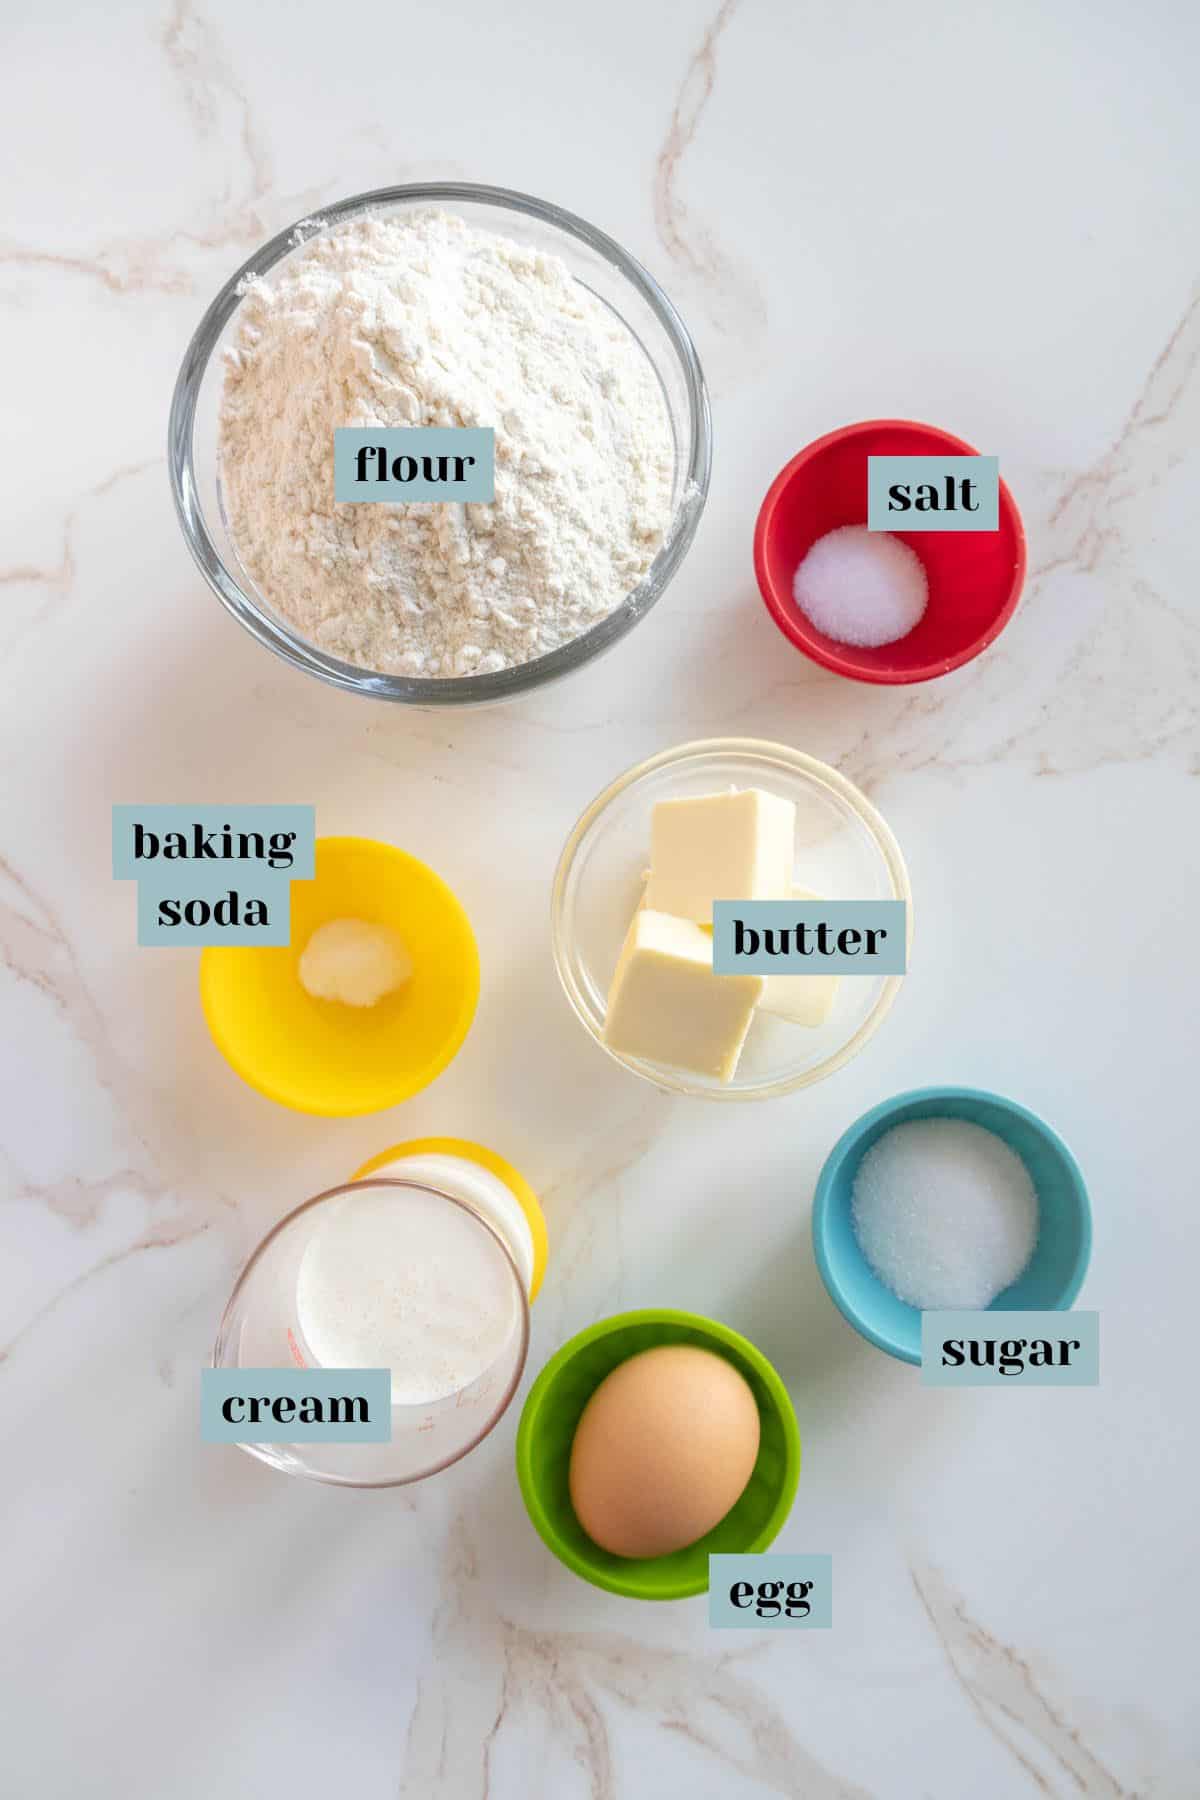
975,577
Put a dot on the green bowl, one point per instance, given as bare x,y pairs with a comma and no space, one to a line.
547,1430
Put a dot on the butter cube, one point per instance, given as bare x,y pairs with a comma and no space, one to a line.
735,846
665,1004
801,999
804,999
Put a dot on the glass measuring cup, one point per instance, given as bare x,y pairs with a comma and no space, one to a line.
310,1297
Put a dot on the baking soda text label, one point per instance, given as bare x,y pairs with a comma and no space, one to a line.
933,493
750,1593
296,1406
414,462
809,937
214,874
1010,1349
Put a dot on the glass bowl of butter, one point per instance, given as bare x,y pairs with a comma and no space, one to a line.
729,818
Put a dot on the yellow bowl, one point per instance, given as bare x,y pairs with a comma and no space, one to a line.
319,1056
495,1164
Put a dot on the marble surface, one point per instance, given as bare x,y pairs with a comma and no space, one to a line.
983,216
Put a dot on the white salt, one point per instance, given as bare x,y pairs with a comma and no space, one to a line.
861,587
945,1213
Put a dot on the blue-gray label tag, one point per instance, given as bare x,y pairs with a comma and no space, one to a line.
809,937
296,1406
769,1592
933,493
1010,1349
414,462
214,874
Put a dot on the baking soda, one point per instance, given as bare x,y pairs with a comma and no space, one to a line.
354,962
945,1213
861,587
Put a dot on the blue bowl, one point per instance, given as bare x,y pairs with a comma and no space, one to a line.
1060,1259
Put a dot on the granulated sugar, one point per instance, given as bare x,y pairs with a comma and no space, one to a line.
861,587
424,320
945,1213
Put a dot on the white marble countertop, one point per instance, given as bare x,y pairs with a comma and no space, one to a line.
982,216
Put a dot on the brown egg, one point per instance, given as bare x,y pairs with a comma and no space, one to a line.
663,1449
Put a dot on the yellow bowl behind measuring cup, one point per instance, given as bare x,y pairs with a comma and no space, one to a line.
495,1164
320,1056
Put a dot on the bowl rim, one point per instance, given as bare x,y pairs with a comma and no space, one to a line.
723,1337
675,1081
843,662
431,691
335,1193
283,1093
899,1104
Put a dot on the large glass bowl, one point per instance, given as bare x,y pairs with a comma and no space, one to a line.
844,851
600,265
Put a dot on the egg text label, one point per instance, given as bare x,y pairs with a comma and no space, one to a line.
769,1592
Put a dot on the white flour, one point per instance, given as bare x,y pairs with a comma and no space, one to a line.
427,321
